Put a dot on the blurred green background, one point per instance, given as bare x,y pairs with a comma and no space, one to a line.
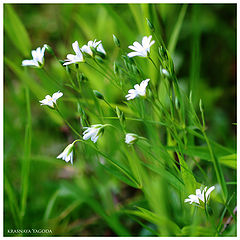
79,201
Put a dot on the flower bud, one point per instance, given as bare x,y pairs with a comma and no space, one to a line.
201,105
82,114
150,25
165,72
98,94
115,68
131,138
116,41
48,48
83,77
118,112
177,103
162,52
190,96
121,116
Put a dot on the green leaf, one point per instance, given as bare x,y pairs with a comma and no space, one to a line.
154,218
168,176
26,161
187,176
16,31
50,205
202,152
175,34
217,168
229,160
12,201
197,231
116,173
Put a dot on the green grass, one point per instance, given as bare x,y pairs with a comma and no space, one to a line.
184,123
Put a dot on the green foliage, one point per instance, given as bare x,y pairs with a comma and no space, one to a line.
183,136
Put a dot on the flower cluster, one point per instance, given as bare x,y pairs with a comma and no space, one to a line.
91,50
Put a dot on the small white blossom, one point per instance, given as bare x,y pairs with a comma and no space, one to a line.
38,58
93,44
141,50
131,138
93,132
74,58
139,90
50,101
203,196
67,154
165,72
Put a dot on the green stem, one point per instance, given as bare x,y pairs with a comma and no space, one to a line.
217,167
109,104
153,63
106,76
66,121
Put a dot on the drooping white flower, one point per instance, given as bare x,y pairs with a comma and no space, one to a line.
93,132
93,44
67,154
50,101
74,58
38,58
200,195
139,90
141,50
131,138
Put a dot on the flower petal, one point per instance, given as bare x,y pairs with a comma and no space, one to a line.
76,48
209,191
30,63
56,95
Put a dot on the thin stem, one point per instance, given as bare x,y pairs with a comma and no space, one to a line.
48,75
66,121
109,104
153,63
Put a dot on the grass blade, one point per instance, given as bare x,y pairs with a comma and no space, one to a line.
175,34
26,158
16,31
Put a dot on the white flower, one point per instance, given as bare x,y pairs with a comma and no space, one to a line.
139,90
38,58
203,196
93,44
50,101
131,138
93,132
67,154
141,50
165,72
74,58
